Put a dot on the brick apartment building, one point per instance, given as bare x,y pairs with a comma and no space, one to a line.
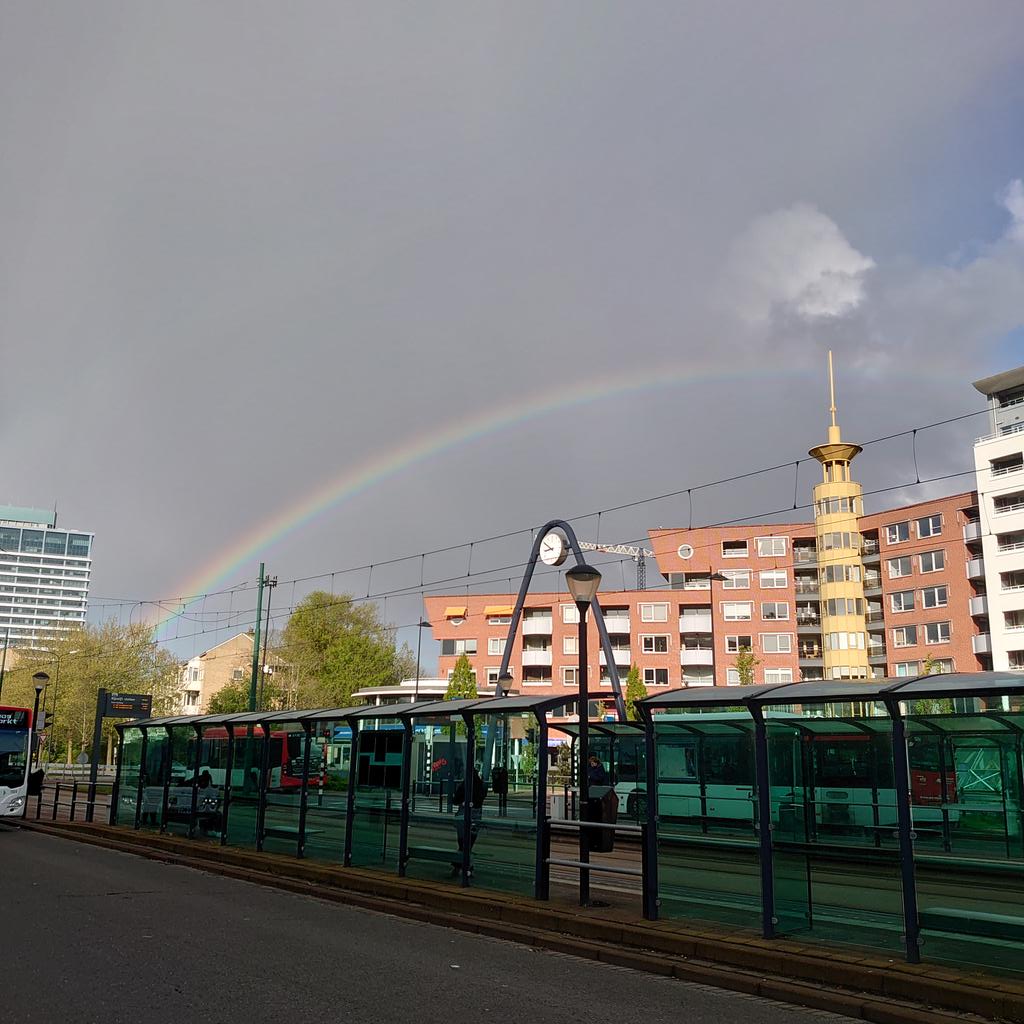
847,595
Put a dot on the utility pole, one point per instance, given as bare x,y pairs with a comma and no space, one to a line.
271,582
256,641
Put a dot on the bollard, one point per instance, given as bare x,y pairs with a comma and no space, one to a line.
74,798
39,803
56,801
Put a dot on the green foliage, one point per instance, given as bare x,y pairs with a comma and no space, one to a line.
746,662
635,690
120,659
231,699
932,705
561,771
528,761
336,646
462,684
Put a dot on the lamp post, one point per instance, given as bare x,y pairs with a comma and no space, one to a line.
420,626
583,581
40,679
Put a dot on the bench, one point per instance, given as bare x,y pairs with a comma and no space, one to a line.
289,831
435,853
973,922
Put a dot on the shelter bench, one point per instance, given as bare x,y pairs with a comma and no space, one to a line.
973,922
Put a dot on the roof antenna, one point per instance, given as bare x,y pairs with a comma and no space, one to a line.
831,389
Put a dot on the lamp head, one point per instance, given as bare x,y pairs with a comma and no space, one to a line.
583,581
41,679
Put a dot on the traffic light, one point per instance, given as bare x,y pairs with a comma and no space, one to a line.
47,720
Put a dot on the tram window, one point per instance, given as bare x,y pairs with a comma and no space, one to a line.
923,754
843,762
629,767
677,760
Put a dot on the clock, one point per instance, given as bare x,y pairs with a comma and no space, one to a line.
553,549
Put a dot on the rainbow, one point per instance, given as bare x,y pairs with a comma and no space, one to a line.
253,545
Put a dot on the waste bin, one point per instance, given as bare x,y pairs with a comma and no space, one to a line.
602,805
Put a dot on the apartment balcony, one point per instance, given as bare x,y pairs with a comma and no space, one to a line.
976,569
623,657
805,556
617,623
811,660
972,531
540,626
805,587
695,622
696,656
979,605
808,624
536,658
869,551
981,644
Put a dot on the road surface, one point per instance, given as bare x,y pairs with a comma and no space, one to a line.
92,935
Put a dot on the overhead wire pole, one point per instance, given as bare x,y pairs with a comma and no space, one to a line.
271,583
256,641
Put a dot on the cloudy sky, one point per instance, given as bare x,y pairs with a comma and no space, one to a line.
495,263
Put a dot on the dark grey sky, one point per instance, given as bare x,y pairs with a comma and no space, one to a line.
246,247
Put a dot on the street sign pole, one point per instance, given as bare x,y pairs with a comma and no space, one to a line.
97,739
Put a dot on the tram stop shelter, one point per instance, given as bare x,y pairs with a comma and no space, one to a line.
934,867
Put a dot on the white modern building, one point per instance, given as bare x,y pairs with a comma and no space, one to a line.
44,576
999,467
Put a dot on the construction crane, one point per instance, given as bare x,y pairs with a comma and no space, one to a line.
639,555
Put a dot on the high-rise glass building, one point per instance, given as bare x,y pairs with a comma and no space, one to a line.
44,576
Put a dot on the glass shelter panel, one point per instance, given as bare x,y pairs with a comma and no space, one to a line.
246,769
128,786
213,763
157,771
504,852
966,770
327,794
182,750
284,785
437,828
708,864
378,794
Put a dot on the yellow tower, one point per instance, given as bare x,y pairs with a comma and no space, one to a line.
838,502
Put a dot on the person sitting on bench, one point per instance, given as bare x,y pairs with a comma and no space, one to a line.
478,796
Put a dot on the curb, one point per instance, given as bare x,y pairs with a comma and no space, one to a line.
865,988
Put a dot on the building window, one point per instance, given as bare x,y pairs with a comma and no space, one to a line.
451,672
904,636
899,567
492,676
732,677
907,668
453,648
778,675
654,613
570,614
654,644
840,541
238,674
771,547
844,641
655,677
929,526
940,666
570,645
777,643
571,677
935,597
774,610
499,620
840,574
933,561
902,601
736,611
844,606
734,644
897,533
684,551
734,549
496,645
773,579
736,579
936,633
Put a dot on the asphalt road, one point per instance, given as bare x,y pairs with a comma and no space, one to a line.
94,935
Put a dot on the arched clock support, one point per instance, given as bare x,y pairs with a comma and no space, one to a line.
595,610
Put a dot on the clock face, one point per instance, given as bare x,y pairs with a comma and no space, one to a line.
553,550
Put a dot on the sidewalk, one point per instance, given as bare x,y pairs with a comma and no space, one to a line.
857,984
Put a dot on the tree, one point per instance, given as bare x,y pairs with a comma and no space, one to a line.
528,761
462,684
230,699
746,662
120,659
337,646
933,705
635,690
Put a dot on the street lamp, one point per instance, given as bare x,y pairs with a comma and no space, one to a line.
583,581
40,679
420,626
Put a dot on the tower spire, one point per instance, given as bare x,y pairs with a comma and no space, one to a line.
831,388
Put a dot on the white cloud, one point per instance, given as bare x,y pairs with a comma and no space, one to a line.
794,260
1013,200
